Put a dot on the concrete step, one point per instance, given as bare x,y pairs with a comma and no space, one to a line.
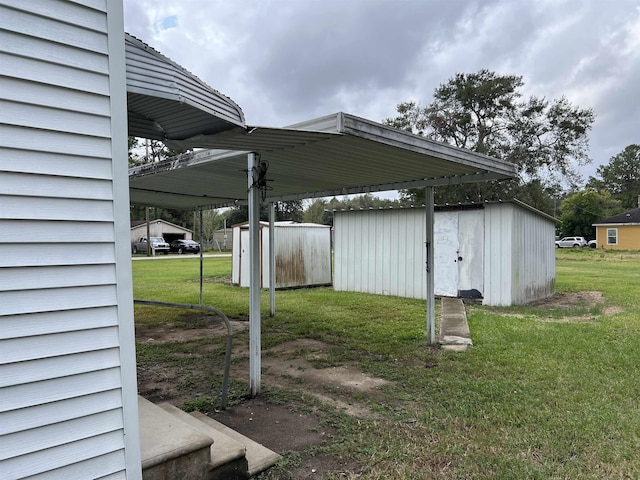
259,457
227,457
171,448
233,456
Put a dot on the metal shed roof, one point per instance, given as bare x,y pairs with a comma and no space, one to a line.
166,102
333,155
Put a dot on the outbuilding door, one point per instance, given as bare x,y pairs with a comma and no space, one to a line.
471,253
458,253
445,254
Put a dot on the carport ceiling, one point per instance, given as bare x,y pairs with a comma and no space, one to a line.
333,155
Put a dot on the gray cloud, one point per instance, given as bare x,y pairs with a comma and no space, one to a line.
285,61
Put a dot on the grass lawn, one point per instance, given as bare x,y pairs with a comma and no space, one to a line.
540,395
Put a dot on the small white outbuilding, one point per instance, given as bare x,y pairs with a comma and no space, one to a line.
502,252
302,254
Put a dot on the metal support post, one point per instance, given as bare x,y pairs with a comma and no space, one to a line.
431,312
201,257
272,259
254,274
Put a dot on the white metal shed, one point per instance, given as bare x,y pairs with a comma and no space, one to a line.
502,252
302,254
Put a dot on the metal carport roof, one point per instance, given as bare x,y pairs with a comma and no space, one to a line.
166,102
333,155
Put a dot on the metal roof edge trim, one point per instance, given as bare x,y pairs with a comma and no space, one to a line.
159,220
370,130
353,190
534,210
513,201
630,224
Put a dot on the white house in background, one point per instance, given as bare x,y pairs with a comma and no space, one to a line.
502,252
302,254
159,228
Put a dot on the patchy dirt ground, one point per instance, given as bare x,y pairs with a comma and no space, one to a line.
303,365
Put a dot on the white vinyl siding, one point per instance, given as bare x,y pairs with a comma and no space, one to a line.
63,410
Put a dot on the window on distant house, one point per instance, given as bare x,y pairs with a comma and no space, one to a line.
612,236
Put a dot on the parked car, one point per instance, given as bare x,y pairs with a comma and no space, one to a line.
571,242
593,244
157,243
184,246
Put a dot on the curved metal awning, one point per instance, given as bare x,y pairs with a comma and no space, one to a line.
333,155
165,102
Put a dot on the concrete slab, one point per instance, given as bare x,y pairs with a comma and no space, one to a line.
454,330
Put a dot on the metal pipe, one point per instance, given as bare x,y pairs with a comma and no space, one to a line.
206,308
201,257
272,259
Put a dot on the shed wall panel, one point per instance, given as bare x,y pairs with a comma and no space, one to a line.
380,252
498,255
534,277
66,315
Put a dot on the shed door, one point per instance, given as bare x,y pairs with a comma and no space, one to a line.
471,253
245,261
445,253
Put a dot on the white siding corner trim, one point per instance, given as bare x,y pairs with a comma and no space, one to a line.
68,407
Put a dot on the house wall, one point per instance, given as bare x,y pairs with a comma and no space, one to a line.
68,406
628,237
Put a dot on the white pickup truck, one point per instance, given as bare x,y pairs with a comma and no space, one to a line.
157,244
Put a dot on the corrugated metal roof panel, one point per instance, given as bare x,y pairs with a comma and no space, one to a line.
349,155
165,101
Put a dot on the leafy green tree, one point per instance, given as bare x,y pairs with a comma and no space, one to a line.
291,210
314,213
320,210
484,112
581,210
620,177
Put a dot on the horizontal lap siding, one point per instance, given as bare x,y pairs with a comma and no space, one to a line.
60,372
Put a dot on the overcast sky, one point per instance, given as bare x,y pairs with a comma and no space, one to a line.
285,61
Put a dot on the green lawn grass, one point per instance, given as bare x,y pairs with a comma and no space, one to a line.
531,399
